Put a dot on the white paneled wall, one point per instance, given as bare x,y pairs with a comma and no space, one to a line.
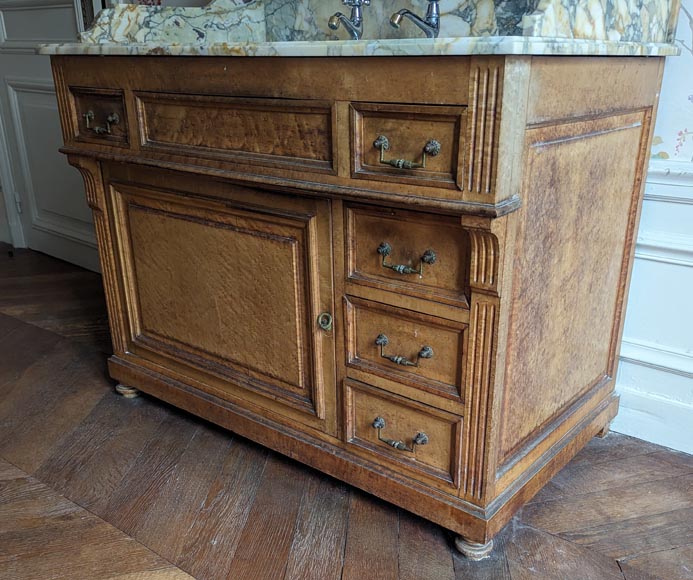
655,377
43,195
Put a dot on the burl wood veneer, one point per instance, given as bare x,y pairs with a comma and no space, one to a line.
444,337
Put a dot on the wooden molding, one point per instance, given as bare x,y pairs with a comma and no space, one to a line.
90,170
480,373
485,88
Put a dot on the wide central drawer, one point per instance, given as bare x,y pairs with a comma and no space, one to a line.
256,131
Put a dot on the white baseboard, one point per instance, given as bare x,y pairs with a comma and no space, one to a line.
665,359
656,419
656,388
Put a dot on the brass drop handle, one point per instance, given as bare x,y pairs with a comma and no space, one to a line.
382,341
419,439
429,257
431,149
112,119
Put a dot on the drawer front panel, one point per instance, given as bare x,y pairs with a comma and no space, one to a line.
408,347
100,115
412,144
392,250
255,131
423,439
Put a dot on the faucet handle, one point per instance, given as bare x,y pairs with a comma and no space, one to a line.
356,2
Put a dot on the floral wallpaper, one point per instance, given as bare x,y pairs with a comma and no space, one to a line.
673,138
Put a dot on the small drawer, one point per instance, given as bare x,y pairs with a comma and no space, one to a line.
414,144
399,431
255,131
100,116
412,253
418,350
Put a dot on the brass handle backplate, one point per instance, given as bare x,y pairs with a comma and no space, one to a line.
382,341
430,149
419,439
429,257
112,119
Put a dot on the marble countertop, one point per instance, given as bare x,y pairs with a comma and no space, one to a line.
383,47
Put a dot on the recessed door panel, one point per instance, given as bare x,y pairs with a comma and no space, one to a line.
232,292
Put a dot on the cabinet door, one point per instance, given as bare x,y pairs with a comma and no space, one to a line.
227,292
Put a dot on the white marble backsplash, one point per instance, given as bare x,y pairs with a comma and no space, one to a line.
235,21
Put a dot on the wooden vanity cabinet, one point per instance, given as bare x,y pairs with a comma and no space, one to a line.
409,273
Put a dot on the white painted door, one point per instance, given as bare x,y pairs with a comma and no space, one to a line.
44,196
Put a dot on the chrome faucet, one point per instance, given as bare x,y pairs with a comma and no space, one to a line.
430,24
353,24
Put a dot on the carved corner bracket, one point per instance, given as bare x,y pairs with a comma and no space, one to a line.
90,171
486,238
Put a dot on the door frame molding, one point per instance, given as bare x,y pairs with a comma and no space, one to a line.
9,190
68,228
7,181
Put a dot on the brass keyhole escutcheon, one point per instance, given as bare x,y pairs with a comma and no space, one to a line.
325,321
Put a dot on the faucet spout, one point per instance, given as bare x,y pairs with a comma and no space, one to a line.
430,24
353,27
353,24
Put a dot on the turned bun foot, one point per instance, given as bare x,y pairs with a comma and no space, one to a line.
472,550
605,431
127,392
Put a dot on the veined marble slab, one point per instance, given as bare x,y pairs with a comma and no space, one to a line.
636,20
625,20
299,28
387,47
220,21
289,20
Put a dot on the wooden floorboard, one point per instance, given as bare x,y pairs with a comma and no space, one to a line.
639,535
317,549
264,545
130,501
372,548
215,532
617,504
533,553
182,497
672,564
54,295
92,461
424,550
43,535
88,478
50,400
